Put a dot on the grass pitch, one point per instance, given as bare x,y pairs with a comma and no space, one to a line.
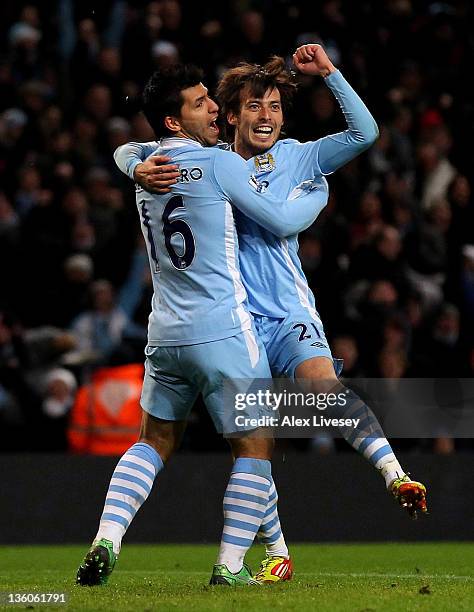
348,578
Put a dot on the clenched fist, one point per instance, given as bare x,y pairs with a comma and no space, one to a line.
313,60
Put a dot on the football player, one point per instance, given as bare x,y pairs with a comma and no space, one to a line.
200,331
253,99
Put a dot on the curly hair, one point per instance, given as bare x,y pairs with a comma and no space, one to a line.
258,79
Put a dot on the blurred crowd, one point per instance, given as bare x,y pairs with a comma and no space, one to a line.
391,260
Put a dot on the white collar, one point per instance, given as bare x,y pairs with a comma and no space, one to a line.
175,142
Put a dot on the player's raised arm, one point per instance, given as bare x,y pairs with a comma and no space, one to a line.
152,173
337,149
281,217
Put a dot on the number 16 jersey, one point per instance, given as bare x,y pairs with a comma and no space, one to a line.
192,241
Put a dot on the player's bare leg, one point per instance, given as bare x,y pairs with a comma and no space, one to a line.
129,488
258,444
368,439
164,436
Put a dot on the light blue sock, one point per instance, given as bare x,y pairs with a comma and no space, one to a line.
270,532
368,437
245,503
129,487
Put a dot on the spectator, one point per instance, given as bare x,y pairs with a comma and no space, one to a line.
345,348
57,400
100,330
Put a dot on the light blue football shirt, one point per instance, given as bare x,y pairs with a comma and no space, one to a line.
276,284
271,269
192,242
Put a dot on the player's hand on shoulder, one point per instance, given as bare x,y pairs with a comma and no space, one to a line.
156,175
313,60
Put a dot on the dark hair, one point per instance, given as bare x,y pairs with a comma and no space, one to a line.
162,96
258,78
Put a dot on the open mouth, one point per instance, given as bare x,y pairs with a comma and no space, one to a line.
263,131
214,127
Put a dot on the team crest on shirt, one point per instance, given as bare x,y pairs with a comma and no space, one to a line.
264,163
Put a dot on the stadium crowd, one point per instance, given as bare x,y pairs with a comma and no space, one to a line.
391,259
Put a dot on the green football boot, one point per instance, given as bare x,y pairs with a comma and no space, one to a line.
97,565
221,575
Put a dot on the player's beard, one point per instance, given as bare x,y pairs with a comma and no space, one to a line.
260,146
